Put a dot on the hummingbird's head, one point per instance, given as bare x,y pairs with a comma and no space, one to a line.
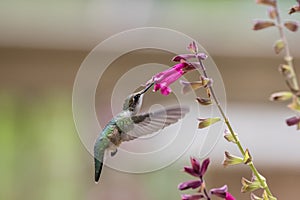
134,101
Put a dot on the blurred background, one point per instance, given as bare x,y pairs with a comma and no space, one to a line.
43,44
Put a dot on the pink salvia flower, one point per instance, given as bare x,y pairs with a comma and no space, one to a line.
164,79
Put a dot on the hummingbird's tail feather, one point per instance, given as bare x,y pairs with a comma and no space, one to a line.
98,169
99,149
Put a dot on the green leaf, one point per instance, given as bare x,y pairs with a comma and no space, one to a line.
278,46
207,122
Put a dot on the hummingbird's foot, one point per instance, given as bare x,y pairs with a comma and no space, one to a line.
113,153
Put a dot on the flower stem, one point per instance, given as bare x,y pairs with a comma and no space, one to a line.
228,124
288,58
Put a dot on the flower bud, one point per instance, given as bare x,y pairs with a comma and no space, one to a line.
260,24
207,122
267,2
281,96
231,159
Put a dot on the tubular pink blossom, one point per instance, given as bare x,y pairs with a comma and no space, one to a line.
164,79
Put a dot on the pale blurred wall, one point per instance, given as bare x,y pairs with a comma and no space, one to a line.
42,47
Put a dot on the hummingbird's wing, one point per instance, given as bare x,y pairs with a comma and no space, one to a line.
148,123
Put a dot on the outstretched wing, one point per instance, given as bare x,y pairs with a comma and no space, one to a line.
148,123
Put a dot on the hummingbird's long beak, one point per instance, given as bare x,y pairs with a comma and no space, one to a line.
146,88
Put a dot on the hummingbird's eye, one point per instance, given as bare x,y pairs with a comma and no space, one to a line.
136,97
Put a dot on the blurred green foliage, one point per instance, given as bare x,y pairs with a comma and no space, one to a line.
39,148
43,158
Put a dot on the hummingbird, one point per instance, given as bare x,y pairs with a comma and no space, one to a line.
129,125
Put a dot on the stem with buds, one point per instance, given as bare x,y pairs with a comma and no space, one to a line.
288,58
228,124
